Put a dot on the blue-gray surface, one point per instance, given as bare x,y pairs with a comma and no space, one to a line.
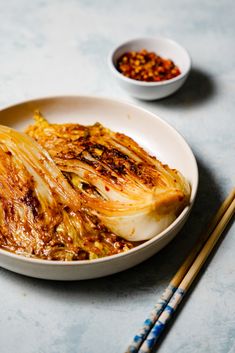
60,46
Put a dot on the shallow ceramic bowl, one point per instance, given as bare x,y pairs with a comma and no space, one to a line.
164,47
155,135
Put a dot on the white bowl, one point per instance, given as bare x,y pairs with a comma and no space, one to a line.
155,135
164,47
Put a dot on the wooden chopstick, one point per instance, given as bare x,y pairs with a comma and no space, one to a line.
182,289
174,292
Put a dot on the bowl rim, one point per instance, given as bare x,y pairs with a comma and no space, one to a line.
144,83
145,244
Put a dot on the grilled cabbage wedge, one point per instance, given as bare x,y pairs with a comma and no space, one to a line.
131,192
40,213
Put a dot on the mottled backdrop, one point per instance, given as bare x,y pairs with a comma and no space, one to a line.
61,46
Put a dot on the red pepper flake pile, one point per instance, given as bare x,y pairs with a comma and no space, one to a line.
146,66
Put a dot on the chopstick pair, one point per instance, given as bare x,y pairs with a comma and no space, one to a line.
162,312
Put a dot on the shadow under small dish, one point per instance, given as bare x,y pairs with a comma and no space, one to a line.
150,68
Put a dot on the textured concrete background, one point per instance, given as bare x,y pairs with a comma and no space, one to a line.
60,46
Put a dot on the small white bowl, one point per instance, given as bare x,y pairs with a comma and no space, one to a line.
164,47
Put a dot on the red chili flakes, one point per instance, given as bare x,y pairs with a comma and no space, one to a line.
147,66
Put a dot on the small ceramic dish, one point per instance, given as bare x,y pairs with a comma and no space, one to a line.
152,133
164,47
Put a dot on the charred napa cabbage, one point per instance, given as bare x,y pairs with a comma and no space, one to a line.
40,213
132,193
